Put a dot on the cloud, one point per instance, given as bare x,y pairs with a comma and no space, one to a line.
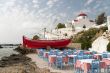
88,2
17,20
35,1
36,6
85,10
50,3
96,6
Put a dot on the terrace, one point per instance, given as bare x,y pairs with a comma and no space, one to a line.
73,61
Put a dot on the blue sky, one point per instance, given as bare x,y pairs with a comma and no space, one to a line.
22,17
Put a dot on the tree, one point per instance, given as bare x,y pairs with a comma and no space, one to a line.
102,18
35,37
60,25
73,28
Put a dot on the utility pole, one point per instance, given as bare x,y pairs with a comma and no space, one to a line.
73,28
44,32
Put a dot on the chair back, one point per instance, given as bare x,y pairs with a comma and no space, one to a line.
41,52
90,56
81,53
59,59
104,55
75,59
69,52
94,52
79,57
95,64
85,56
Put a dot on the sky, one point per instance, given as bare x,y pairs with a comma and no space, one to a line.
27,17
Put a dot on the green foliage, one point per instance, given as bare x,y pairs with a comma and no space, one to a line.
108,47
35,37
60,25
101,18
104,28
86,37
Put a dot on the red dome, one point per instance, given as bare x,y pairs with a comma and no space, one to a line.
82,14
75,20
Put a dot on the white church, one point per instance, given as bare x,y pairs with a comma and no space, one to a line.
82,20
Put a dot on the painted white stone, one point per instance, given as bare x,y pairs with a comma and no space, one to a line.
100,44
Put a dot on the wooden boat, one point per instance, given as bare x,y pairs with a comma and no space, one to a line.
45,43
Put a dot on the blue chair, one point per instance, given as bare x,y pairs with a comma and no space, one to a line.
74,49
65,53
75,53
69,52
70,61
95,66
52,52
87,56
79,57
94,52
104,55
90,56
75,59
59,62
81,53
41,53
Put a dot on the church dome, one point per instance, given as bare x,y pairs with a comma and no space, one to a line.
82,14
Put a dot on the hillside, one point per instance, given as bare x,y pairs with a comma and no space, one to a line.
86,37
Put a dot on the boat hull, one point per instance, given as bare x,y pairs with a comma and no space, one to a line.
45,43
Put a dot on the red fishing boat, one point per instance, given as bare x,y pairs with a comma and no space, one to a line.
45,43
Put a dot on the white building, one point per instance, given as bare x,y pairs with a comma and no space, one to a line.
108,23
68,25
82,20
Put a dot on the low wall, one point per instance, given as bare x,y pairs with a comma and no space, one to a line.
75,45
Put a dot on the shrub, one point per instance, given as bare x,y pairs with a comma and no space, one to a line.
60,25
108,47
35,37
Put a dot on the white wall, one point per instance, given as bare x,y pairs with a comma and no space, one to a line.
108,22
83,22
81,17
